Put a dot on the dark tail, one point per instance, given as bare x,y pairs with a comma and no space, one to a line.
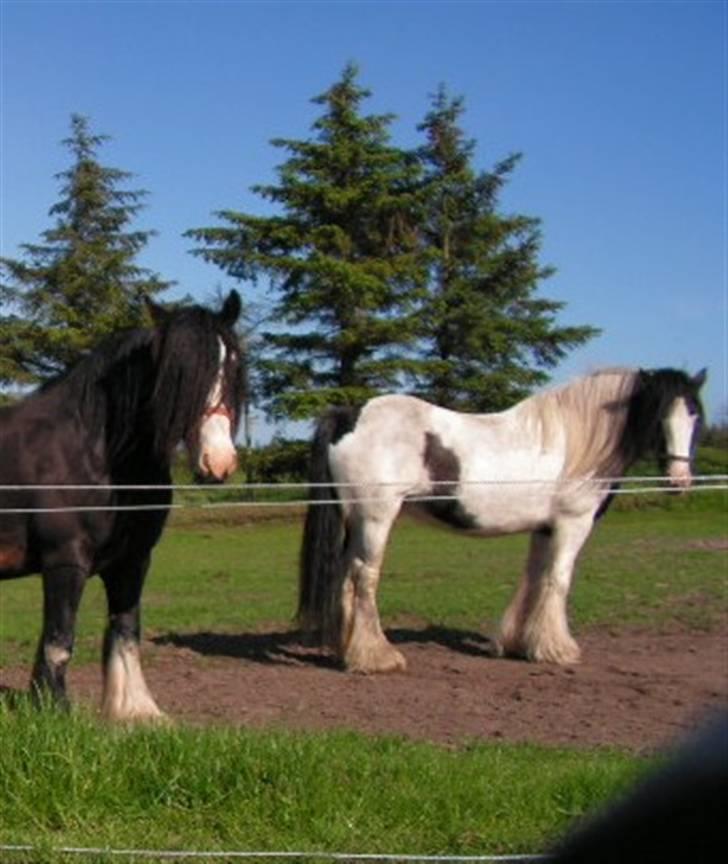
324,536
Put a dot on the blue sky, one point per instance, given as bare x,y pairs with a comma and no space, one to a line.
619,109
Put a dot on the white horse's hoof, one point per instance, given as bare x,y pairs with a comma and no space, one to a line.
376,662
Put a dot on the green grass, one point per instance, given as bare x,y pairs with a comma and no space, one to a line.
647,568
67,781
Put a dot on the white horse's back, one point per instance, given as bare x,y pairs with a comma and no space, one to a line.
419,450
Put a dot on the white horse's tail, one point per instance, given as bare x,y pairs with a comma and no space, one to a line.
321,560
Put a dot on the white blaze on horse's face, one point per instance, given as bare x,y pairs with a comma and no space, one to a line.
217,457
679,429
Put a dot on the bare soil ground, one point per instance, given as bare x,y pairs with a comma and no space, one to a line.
633,690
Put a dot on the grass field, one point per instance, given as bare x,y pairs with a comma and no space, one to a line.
639,567
66,780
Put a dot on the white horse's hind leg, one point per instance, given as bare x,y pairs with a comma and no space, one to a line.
535,625
364,647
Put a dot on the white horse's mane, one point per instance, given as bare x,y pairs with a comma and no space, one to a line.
592,412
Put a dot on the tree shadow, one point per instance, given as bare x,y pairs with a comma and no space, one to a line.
296,648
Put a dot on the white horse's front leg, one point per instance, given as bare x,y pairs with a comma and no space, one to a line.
511,641
535,625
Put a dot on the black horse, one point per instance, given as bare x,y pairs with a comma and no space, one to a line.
75,458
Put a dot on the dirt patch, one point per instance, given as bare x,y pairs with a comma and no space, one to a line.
634,690
713,544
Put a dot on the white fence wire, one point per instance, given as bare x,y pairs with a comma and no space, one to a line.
180,854
374,492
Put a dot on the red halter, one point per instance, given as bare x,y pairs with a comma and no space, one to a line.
220,409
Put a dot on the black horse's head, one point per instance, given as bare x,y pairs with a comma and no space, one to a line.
198,384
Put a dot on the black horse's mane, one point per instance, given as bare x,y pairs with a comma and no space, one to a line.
145,389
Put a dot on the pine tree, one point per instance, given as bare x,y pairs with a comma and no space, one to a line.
340,256
81,282
488,337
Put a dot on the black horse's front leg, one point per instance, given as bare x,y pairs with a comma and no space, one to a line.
62,590
126,695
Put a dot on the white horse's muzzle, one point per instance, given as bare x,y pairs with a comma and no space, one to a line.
679,472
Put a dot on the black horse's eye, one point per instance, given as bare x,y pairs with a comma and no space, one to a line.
692,403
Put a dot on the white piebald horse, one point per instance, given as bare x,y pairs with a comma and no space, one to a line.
530,468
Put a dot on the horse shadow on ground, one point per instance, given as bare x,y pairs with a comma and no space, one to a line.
277,648
295,648
470,642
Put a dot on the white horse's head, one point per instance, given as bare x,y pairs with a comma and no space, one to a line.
680,426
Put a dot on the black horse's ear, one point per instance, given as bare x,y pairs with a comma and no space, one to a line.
157,313
700,378
231,308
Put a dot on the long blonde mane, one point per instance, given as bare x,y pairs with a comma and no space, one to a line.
592,413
